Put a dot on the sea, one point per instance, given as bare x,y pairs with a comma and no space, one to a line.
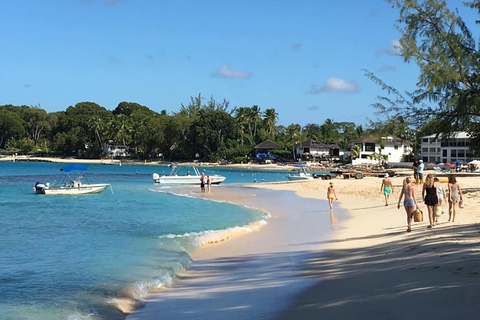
88,256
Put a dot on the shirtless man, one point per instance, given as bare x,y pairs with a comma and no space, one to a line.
386,188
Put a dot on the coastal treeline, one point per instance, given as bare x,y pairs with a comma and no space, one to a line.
205,131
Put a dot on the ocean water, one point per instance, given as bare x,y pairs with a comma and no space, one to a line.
90,256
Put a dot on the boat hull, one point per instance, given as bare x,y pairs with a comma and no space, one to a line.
186,180
83,189
299,178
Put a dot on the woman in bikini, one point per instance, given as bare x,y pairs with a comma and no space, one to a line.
409,202
331,195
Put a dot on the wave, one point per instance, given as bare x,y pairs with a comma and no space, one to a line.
199,239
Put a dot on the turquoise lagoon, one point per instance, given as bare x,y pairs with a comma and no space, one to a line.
78,257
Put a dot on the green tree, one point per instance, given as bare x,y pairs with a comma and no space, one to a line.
11,126
441,44
270,118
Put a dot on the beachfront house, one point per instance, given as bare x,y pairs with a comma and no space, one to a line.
316,151
446,149
113,150
262,151
381,149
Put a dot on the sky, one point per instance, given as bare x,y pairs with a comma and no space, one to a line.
304,58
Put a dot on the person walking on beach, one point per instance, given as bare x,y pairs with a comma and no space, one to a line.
454,197
209,184
387,188
430,198
441,194
409,202
331,195
202,182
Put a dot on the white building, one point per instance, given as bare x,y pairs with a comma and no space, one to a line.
112,150
317,150
392,148
446,149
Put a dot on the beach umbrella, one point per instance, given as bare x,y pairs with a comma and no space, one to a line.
477,162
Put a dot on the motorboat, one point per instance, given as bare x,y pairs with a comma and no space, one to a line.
189,178
70,185
301,174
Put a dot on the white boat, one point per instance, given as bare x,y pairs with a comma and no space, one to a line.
74,186
302,174
186,179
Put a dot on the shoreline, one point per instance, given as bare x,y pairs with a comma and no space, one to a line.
252,275
368,264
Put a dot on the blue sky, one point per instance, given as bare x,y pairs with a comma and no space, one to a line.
304,58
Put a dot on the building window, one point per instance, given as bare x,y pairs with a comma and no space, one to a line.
370,147
424,150
425,140
444,153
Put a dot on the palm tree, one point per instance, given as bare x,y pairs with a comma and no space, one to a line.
241,118
269,121
96,124
120,128
356,150
254,117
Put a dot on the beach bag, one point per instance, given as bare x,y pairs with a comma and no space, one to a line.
461,204
417,215
438,211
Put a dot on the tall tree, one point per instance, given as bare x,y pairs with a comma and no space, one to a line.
270,118
439,41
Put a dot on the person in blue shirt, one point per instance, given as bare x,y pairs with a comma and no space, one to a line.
420,168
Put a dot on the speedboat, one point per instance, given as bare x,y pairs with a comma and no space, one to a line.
190,178
70,186
302,174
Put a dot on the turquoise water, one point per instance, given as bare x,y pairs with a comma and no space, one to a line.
79,257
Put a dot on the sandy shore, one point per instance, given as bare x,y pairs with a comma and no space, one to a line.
369,267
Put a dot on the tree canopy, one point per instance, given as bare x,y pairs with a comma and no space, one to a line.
441,44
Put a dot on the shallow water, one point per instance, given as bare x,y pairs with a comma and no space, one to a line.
79,257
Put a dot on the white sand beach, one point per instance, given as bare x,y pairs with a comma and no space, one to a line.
369,267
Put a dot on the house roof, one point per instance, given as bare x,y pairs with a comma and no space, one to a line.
268,144
375,139
316,144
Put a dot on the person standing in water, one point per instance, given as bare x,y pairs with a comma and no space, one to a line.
209,184
202,182
387,188
331,195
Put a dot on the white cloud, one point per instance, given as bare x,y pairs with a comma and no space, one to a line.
333,84
394,48
226,73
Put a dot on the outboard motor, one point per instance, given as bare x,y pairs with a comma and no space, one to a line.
39,188
156,178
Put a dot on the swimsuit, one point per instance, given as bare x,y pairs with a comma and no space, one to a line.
455,196
408,202
431,198
387,190
440,193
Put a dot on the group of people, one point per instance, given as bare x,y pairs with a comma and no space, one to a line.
205,181
433,196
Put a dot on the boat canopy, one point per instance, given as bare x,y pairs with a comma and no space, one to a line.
72,167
